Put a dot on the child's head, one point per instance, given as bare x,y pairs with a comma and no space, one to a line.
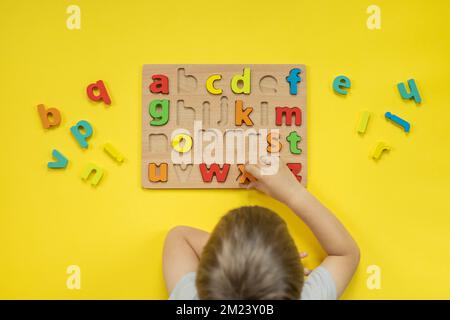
250,255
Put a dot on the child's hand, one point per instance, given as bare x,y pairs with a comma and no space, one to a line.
304,255
282,186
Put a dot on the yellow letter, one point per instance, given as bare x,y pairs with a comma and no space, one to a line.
177,144
244,80
210,84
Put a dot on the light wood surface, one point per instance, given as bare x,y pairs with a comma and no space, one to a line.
190,101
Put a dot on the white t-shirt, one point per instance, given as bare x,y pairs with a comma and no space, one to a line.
319,285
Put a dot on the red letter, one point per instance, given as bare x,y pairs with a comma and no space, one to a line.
102,92
161,85
50,117
295,169
214,170
288,112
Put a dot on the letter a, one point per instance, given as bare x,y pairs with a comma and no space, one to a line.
160,84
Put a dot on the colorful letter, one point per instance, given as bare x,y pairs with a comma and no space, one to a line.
79,135
113,153
210,84
404,124
341,82
288,112
381,146
95,170
413,93
178,146
221,173
153,176
61,161
293,80
50,117
274,144
241,114
243,80
160,84
295,169
102,92
161,117
363,121
244,177
293,138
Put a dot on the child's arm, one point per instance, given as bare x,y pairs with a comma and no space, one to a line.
181,254
342,250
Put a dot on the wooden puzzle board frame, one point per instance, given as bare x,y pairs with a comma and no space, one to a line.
190,100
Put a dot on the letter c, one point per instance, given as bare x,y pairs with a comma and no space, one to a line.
210,84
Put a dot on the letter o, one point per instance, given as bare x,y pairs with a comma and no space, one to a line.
176,143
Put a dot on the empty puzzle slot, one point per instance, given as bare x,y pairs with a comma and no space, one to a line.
185,83
157,142
268,84
234,140
223,113
206,113
264,113
182,171
213,146
185,114
252,145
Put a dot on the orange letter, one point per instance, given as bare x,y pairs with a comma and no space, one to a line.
50,117
274,142
162,177
241,114
244,176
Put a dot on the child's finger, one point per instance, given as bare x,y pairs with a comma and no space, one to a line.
265,160
250,185
253,170
303,255
306,271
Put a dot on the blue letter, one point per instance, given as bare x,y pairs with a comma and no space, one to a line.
293,80
414,93
79,135
341,82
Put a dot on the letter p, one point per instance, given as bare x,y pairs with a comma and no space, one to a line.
81,131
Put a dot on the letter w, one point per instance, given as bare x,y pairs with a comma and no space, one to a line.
214,170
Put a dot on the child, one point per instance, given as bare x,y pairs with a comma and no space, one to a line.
250,254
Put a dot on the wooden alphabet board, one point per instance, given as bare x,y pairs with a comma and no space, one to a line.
200,123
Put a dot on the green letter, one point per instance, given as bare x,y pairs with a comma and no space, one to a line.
294,139
160,116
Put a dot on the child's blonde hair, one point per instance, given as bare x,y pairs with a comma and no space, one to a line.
250,255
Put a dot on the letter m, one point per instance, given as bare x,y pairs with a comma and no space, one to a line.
288,113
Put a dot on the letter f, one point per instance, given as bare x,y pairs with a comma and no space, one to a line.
293,80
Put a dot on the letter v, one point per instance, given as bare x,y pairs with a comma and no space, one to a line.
61,161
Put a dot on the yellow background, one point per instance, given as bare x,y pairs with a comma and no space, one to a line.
397,209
